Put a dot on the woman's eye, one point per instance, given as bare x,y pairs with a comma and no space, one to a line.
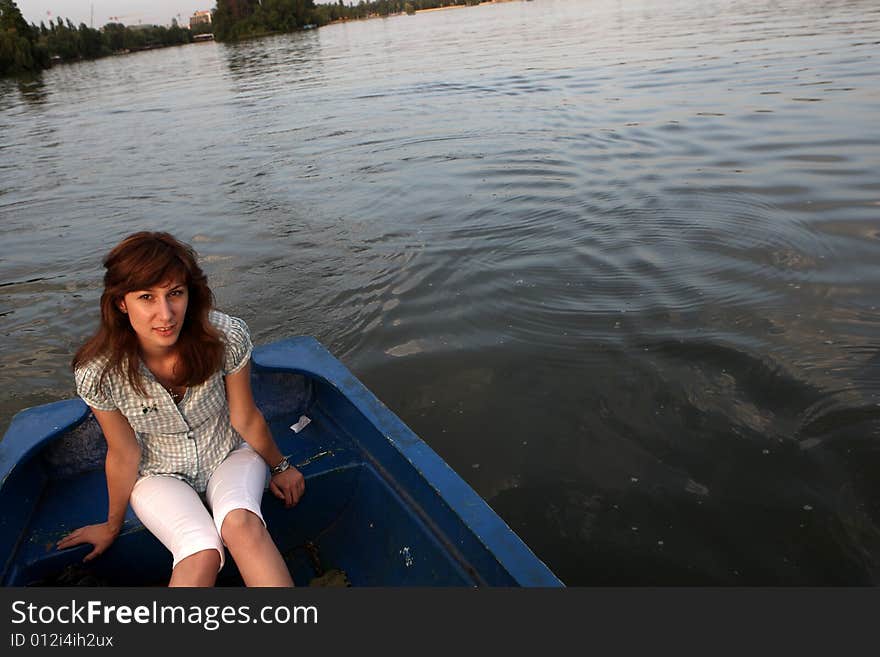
146,297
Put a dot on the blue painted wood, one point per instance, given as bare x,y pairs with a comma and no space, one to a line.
380,504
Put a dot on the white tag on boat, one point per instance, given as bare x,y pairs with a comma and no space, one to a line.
300,424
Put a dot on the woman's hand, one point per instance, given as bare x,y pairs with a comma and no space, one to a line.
288,486
100,536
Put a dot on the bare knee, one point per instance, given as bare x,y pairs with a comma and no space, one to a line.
242,527
199,569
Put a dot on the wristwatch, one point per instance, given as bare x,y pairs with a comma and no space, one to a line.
283,464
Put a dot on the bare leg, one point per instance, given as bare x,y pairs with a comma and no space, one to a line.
199,569
255,553
174,514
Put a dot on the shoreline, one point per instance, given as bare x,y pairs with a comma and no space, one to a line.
485,2
419,11
56,62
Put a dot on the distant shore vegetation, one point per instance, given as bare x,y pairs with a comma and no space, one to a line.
241,19
28,48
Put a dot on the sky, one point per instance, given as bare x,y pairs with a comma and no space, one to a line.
130,12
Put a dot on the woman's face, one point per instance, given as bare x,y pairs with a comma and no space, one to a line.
156,314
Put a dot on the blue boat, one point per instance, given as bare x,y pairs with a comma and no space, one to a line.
381,507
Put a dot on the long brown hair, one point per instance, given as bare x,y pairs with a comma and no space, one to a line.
141,261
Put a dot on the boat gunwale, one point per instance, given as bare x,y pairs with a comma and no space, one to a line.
307,356
311,358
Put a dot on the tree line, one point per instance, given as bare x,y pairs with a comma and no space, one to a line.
30,48
238,19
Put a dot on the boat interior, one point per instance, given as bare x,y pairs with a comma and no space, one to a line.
369,517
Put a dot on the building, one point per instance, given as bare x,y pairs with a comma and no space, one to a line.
200,18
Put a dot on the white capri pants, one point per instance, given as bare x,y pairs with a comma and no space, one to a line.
175,514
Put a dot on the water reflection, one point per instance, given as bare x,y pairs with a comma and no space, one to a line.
273,61
33,89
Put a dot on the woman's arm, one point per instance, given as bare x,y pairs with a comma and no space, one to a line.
249,422
121,467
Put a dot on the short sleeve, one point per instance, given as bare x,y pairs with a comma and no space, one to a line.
91,389
238,345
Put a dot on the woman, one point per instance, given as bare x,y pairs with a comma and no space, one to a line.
168,379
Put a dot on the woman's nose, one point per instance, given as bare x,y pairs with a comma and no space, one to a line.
165,309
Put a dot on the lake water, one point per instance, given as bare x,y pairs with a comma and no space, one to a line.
617,263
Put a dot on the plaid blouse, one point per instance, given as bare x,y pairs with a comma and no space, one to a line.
187,440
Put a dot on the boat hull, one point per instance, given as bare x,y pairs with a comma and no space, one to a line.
380,506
